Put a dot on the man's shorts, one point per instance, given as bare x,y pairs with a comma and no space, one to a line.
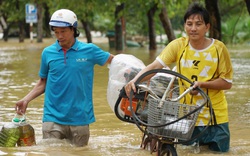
77,135
217,137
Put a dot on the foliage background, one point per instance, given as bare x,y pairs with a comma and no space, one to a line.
235,19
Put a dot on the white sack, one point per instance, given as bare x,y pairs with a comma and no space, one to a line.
122,69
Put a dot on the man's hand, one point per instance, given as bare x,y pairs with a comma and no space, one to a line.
194,91
130,86
21,107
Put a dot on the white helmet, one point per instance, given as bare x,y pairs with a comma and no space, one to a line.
63,18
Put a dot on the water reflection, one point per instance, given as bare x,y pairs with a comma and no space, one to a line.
109,136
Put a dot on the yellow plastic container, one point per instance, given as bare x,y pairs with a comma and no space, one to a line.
27,132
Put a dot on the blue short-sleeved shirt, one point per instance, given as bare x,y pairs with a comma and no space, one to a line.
68,92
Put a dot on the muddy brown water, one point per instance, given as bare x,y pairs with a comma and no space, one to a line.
19,65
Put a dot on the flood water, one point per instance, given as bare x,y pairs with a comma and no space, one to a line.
19,65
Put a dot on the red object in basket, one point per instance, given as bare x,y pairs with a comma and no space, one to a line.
125,106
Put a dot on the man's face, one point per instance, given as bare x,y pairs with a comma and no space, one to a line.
195,27
64,35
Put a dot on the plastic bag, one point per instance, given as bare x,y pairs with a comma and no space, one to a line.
122,69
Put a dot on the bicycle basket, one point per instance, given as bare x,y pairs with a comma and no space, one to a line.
170,112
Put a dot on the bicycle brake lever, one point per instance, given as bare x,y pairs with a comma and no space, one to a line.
147,89
184,93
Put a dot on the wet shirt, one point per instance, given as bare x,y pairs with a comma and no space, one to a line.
202,65
68,92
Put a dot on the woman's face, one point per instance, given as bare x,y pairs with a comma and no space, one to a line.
195,27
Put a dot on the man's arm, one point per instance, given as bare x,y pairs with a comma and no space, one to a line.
39,89
154,65
111,56
218,84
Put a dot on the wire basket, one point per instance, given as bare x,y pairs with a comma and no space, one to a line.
169,112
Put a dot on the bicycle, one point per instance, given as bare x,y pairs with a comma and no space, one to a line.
162,109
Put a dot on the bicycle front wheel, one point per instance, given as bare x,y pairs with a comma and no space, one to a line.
168,150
